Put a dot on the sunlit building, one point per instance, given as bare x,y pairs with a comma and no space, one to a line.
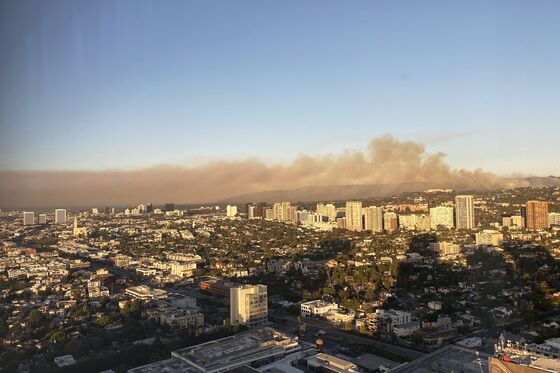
60,216
248,305
373,219
390,221
42,218
354,216
554,218
231,211
489,238
464,212
28,218
536,214
441,216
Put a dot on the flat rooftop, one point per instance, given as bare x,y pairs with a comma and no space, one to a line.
331,363
172,365
317,303
373,362
239,349
447,360
552,365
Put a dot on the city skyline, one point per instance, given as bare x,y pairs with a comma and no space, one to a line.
128,86
291,187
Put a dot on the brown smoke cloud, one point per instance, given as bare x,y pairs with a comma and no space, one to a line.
386,161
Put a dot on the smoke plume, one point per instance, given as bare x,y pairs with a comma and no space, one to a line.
386,161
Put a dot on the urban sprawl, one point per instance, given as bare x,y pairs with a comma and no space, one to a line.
434,281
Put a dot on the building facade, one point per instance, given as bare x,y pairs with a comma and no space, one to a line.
464,212
441,216
354,216
536,214
28,218
249,305
373,219
60,216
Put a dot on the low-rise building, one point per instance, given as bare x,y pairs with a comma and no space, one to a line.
144,292
316,308
385,320
445,248
251,348
489,237
324,363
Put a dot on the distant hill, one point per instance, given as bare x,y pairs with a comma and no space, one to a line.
346,192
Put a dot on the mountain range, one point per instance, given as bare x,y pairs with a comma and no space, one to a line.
347,192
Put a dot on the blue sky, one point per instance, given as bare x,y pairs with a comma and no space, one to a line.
92,85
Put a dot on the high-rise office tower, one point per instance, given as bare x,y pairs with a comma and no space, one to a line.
354,216
231,211
423,222
277,211
248,305
327,210
537,214
42,218
60,216
247,207
268,213
373,218
292,214
441,215
251,212
553,218
28,218
287,211
464,212
330,211
407,221
390,221
283,211
259,210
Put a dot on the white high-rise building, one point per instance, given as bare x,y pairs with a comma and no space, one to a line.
441,215
42,218
464,212
553,218
373,219
60,216
28,218
283,211
407,221
330,211
248,305
94,211
354,216
390,221
327,210
251,212
231,211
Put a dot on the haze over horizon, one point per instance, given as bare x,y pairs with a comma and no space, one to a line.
386,161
